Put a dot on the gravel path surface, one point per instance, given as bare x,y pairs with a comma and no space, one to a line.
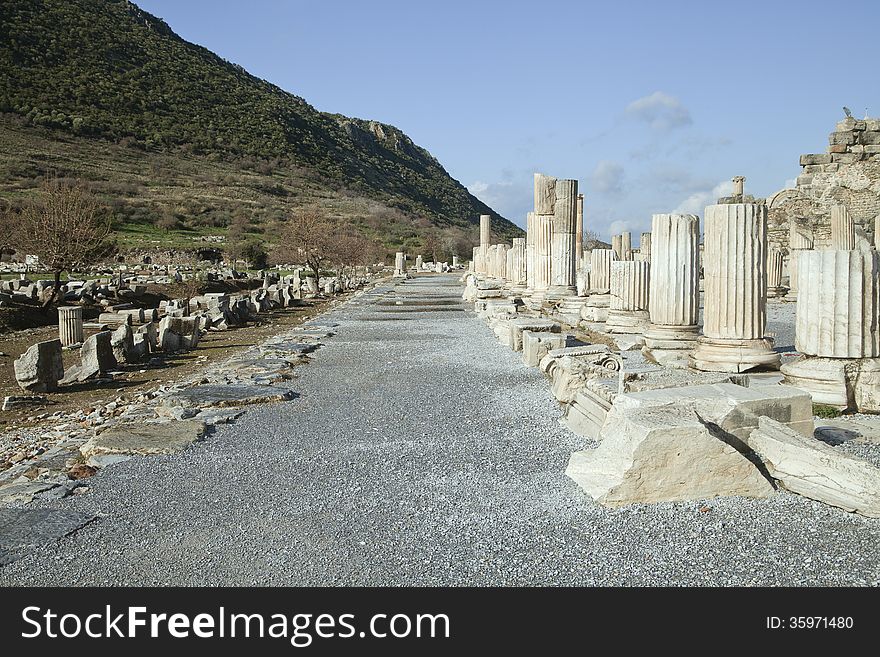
422,452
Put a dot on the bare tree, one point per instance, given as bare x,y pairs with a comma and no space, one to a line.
309,238
67,231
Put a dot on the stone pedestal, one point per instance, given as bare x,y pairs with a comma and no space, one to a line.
837,327
775,289
628,308
843,229
735,313
674,300
70,325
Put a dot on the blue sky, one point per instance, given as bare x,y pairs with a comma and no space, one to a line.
652,106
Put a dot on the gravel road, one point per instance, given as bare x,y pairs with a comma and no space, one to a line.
421,452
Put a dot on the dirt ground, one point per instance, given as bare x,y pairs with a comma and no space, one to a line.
135,379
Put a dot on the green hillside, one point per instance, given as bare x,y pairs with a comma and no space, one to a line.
180,139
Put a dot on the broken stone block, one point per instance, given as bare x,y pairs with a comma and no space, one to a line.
41,367
96,358
145,438
663,454
735,409
536,345
122,343
811,468
517,327
220,395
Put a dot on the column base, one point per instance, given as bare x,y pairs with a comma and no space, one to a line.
845,383
776,292
558,292
569,309
627,321
732,355
669,345
596,308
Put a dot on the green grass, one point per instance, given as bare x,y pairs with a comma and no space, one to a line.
825,411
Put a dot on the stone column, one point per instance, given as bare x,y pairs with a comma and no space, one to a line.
645,247
475,259
674,301
530,252
598,301
419,261
738,185
579,234
628,308
775,288
837,328
455,262
617,246
399,264
843,229
735,313
545,194
517,256
626,249
70,325
543,237
562,249
798,241
501,261
485,237
877,232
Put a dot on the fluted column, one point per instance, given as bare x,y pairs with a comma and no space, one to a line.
70,325
543,237
517,257
579,232
837,328
502,261
837,309
674,301
600,270
628,309
545,194
798,240
774,273
562,249
877,232
617,246
735,313
645,247
530,251
626,249
485,237
843,230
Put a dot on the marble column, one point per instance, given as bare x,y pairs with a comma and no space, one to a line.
545,194
501,267
70,325
617,246
485,237
735,312
877,232
674,300
475,260
530,252
628,308
599,300
843,229
517,257
419,261
626,249
799,240
738,185
645,247
543,237
579,234
399,264
836,326
455,262
775,288
562,249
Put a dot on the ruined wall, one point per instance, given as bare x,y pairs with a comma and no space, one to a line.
848,174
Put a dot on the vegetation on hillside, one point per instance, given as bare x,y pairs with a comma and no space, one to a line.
105,72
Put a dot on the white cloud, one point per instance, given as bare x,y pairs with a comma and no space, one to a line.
607,177
697,202
510,198
660,111
791,183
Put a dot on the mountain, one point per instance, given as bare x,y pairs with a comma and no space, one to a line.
103,90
